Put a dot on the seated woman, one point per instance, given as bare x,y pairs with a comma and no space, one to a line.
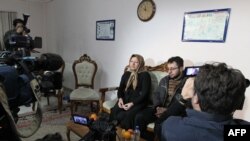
132,94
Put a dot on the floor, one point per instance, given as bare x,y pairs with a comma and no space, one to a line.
46,129
44,105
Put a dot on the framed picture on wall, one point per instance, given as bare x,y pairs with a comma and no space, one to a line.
105,30
206,26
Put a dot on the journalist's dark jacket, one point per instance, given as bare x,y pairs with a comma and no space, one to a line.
197,126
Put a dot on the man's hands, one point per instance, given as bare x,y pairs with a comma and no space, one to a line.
126,106
159,111
187,93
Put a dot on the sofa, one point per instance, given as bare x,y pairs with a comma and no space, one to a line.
156,74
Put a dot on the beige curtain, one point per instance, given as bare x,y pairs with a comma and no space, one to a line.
6,19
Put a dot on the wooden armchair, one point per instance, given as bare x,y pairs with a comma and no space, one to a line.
156,74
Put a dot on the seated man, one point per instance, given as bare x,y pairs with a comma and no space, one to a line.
162,98
216,93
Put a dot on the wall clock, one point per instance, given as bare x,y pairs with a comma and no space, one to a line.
146,10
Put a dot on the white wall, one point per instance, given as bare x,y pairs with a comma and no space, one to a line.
71,32
36,22
69,27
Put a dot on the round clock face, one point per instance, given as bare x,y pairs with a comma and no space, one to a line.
146,10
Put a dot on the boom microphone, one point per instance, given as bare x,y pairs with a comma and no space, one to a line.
25,18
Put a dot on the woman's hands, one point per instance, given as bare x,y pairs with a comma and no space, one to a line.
127,106
124,106
120,103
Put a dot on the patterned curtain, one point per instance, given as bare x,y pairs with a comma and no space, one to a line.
6,19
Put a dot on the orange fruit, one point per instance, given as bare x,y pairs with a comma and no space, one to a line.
127,135
131,131
93,116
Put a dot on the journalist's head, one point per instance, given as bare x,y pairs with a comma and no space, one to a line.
219,89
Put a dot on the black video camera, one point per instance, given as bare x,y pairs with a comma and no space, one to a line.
100,129
16,73
22,41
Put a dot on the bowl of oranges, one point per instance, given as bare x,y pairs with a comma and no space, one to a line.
127,135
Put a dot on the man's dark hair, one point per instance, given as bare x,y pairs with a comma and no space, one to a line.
179,61
220,89
16,21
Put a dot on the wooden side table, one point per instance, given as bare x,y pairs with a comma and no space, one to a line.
81,130
78,129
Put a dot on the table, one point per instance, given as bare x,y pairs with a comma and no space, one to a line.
81,130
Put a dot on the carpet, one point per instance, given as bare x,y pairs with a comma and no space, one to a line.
53,122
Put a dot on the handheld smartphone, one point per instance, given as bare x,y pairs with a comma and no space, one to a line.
80,119
191,71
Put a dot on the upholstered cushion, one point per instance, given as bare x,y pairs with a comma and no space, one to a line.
85,72
83,93
109,104
156,76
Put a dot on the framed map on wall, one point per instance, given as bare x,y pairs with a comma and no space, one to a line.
105,30
206,26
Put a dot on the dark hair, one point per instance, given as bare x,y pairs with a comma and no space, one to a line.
16,21
179,61
220,89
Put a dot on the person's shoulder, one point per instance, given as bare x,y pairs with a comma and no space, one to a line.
10,31
240,122
126,74
145,74
165,78
173,120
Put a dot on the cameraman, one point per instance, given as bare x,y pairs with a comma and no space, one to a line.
216,93
18,30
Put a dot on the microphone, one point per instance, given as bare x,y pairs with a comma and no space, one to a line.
47,61
25,18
